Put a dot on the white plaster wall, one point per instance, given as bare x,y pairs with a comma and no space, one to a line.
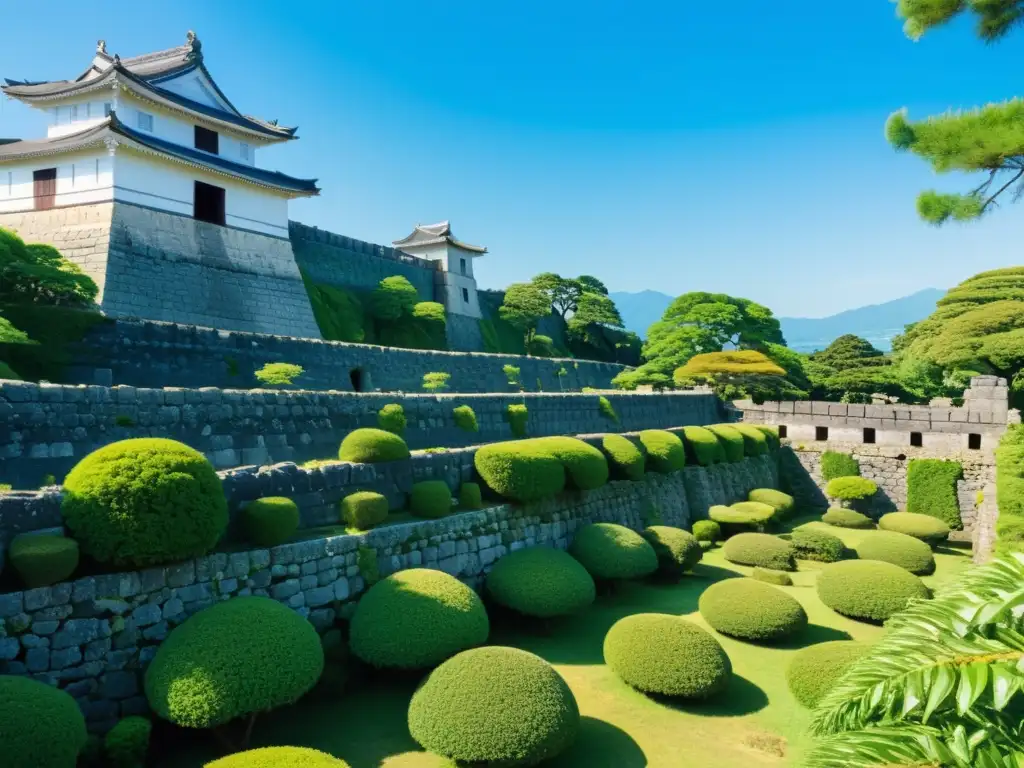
78,115
454,261
81,178
196,87
939,441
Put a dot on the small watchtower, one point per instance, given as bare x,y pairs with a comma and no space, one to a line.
435,242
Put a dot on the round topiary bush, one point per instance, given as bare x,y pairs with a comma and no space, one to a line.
40,725
668,655
846,518
391,418
768,576
928,529
677,550
755,442
812,544
665,452
431,499
868,589
144,502
898,549
279,757
625,460
851,488
43,559
271,520
815,670
761,549
751,610
239,657
707,530
731,440
540,582
520,470
743,516
781,502
470,496
610,551
127,743
415,619
364,509
702,446
585,466
494,706
372,446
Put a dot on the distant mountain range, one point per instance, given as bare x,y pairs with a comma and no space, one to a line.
877,323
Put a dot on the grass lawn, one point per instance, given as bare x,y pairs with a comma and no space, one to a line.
755,722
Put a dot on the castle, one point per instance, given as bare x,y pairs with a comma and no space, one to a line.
148,179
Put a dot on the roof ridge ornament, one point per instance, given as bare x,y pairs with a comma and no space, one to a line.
194,45
101,46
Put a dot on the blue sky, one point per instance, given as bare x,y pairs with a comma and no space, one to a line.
670,146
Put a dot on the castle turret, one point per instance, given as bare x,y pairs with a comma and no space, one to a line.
435,242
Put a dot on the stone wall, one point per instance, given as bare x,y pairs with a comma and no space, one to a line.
95,636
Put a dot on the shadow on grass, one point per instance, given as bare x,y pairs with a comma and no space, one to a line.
601,745
741,697
814,634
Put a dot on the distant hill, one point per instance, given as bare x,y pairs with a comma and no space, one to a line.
877,323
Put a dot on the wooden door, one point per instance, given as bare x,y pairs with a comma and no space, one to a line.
44,188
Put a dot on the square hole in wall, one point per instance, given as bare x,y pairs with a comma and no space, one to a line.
916,439
821,433
974,442
869,435
782,431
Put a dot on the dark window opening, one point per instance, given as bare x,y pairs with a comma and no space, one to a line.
465,295
44,188
821,433
207,140
209,203
869,435
462,265
356,377
974,442
916,440
782,431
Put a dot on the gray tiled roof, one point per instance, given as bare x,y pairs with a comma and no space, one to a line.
435,234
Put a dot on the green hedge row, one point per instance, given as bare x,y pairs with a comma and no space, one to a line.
931,490
1010,490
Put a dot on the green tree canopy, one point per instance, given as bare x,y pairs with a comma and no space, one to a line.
393,298
994,17
525,305
38,274
851,369
592,284
735,374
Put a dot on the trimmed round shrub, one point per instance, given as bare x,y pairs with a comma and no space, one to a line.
928,529
846,518
391,418
271,520
127,743
771,433
755,443
430,499
144,502
668,655
364,509
751,610
811,544
702,446
898,549
540,582
239,657
707,530
677,550
279,757
665,452
43,559
372,446
868,589
768,576
415,619
470,496
465,418
835,465
625,460
761,549
585,466
815,670
520,470
610,551
851,488
743,516
732,441
494,706
781,502
40,725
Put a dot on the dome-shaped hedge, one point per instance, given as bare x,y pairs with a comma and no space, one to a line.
847,518
812,544
781,502
625,460
364,509
851,488
43,559
144,502
271,520
868,589
494,706
755,442
279,757
761,549
732,441
743,516
665,452
815,670
415,619
430,499
372,446
898,549
586,468
470,496
540,581
751,610
40,725
520,470
658,653
127,743
677,550
702,446
610,551
928,529
246,655
707,530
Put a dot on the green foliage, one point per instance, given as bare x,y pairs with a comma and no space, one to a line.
606,409
214,667
994,17
585,466
661,654
278,374
144,502
702,446
835,465
54,333
677,550
609,551
731,440
738,361
782,503
1010,489
760,549
516,415
38,274
851,488
42,725
279,757
870,590
431,499
816,669
540,582
846,518
366,561
524,306
470,496
364,509
755,442
494,706
928,529
372,446
391,418
436,381
744,516
931,490
431,317
271,520
43,559
512,374
393,298
707,530
851,370
665,452
899,549
769,576
338,312
415,619
522,471
465,418
812,544
750,610
127,743
542,346
6,372
625,459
